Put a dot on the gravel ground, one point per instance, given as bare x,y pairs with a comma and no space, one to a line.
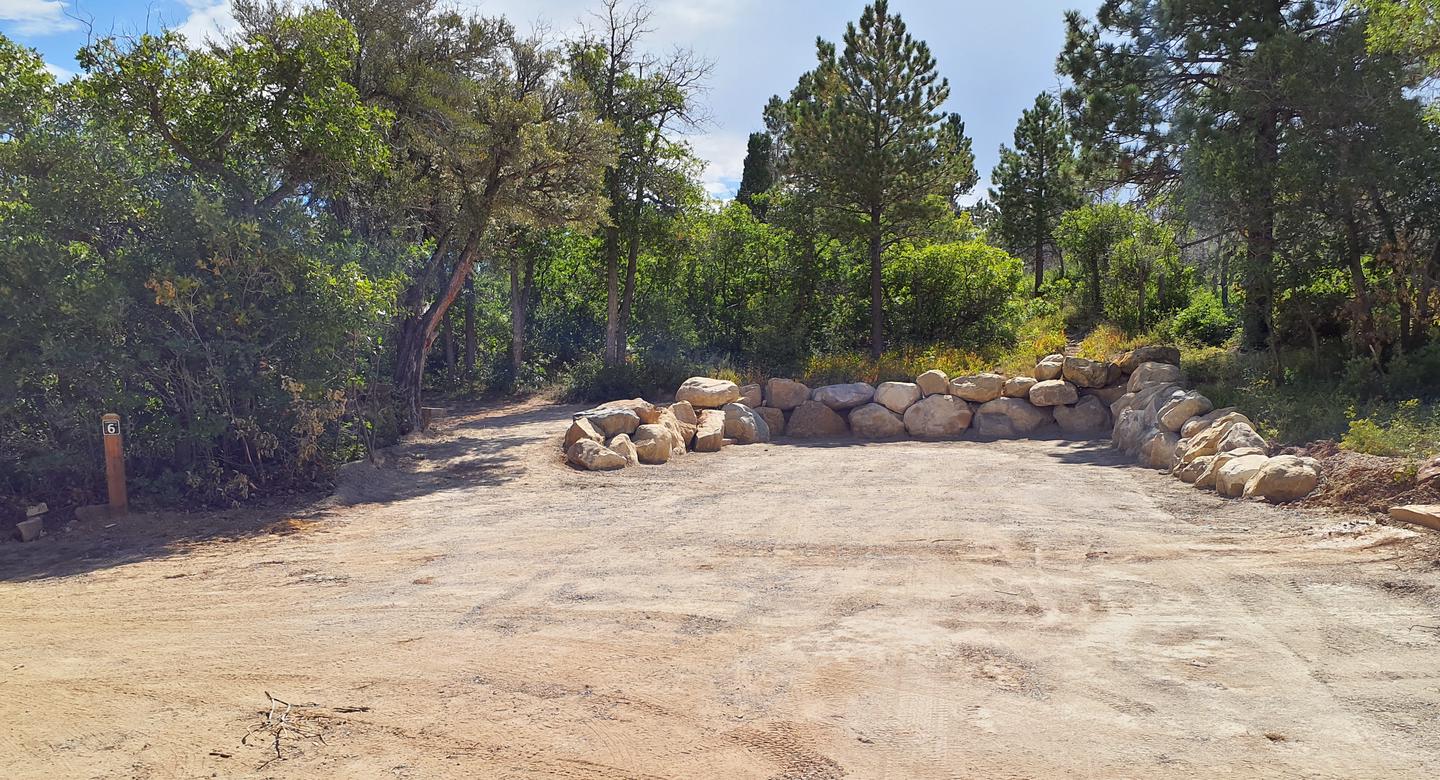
476,609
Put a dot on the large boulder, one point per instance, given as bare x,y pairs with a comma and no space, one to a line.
745,426
684,412
1207,441
1178,410
1231,478
1241,435
647,412
1121,404
978,387
583,428
1010,418
896,396
1053,392
1085,373
774,418
751,395
612,421
1050,367
938,417
1129,433
625,448
654,444
1157,449
933,382
815,420
1426,515
681,432
1018,386
1129,361
1429,474
785,393
1147,374
1108,394
594,456
710,435
841,397
1195,425
1284,478
1089,416
1189,472
704,392
873,421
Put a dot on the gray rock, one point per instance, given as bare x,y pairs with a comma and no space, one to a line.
815,420
978,388
938,417
896,396
873,421
1011,417
933,382
1050,367
841,397
785,394
1085,373
1053,392
612,421
1018,387
745,426
1088,417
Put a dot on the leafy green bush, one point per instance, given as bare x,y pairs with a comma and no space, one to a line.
1408,430
1204,321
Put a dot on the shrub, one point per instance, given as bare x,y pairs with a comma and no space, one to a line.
1204,321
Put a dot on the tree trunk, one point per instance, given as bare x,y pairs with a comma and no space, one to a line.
519,305
1260,233
613,336
1096,304
1039,264
417,332
877,290
470,327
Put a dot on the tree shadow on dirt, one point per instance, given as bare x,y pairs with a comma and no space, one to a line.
1094,453
471,447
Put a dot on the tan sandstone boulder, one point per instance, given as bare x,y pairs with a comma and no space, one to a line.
612,421
774,418
1241,435
745,426
978,387
873,421
1157,449
1053,392
933,382
647,412
1189,472
710,434
1231,478
1147,374
1011,418
1178,410
785,394
594,456
896,396
1087,417
1081,372
938,417
1284,478
1129,361
815,420
654,444
1018,386
1195,425
625,448
1426,515
1049,367
583,428
1108,394
751,395
704,392
847,396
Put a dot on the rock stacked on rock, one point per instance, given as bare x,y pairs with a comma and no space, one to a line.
1139,397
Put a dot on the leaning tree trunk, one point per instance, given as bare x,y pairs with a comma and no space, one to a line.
418,331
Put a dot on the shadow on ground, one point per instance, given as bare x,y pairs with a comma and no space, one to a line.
470,447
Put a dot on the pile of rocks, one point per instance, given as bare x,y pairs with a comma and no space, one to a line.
1138,398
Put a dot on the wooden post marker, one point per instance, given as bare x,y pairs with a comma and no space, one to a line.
114,463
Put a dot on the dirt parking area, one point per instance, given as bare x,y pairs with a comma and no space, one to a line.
476,609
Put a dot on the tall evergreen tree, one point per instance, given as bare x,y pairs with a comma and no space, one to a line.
869,138
759,172
1036,182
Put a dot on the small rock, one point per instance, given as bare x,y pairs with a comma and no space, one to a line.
785,394
1053,392
815,420
873,421
30,529
594,456
1050,367
706,393
938,417
1085,373
1018,387
933,382
841,397
896,396
978,388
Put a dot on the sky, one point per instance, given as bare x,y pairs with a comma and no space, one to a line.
997,55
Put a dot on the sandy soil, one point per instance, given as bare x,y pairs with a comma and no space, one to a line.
910,610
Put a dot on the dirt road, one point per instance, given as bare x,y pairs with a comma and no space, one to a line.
904,610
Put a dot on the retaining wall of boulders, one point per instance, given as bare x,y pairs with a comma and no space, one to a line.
1138,399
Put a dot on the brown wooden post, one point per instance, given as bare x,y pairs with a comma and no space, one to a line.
114,463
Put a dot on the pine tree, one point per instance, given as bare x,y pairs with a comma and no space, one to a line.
870,140
1035,183
758,174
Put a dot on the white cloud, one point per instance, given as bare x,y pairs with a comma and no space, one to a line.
37,17
208,19
724,156
60,74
